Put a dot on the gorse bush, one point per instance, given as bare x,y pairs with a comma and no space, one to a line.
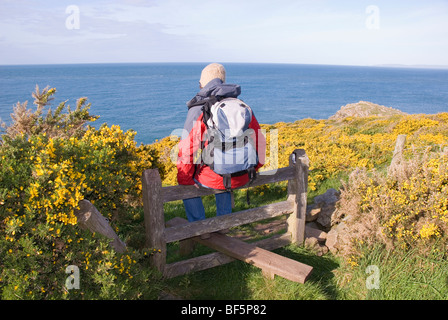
49,164
54,124
407,208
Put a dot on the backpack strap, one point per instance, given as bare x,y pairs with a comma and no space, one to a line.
206,115
252,173
206,108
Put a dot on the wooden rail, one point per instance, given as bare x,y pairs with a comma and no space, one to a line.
158,235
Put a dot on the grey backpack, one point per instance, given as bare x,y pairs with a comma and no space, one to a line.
229,148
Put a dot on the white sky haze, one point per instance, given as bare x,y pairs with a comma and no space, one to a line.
412,32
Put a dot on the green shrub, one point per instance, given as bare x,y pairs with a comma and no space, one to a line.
49,164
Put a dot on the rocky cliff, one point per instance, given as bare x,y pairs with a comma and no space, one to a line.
364,109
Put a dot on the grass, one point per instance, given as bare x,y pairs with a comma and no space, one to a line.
402,274
240,281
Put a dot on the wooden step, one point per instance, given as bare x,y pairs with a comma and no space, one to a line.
270,263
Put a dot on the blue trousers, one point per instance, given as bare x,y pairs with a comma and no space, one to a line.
195,208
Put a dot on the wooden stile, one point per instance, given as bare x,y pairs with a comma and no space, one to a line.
216,258
178,229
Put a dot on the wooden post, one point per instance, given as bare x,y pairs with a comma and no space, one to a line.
398,151
154,217
90,218
297,192
186,246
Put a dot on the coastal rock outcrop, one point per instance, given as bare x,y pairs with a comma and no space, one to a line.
364,109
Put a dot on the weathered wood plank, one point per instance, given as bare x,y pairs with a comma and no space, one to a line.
179,192
154,217
196,264
271,263
185,246
227,221
90,218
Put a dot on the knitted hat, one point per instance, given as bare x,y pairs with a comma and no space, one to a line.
212,71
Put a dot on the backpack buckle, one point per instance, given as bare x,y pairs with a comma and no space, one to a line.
227,181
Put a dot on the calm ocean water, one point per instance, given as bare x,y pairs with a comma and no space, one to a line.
150,98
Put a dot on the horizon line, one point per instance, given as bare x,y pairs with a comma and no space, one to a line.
387,65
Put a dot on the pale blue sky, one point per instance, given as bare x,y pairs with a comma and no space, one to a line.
407,32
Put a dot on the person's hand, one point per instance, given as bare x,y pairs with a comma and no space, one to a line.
196,185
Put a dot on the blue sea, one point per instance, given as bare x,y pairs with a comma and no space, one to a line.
150,98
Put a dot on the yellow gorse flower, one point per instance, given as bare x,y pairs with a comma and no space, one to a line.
429,230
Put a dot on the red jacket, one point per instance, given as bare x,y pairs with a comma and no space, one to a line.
188,166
